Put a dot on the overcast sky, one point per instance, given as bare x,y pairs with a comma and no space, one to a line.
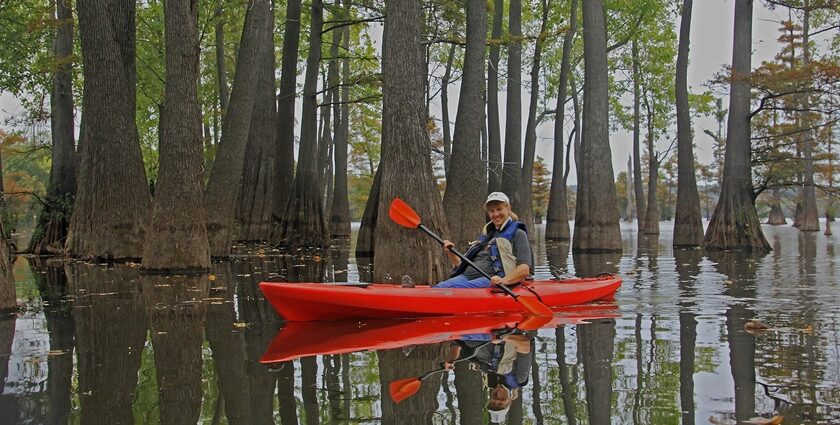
711,49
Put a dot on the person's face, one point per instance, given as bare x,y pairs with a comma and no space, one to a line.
498,213
500,395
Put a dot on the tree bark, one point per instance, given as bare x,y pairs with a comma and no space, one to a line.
222,193
444,108
463,201
113,204
177,236
652,214
734,224
810,221
284,160
51,228
688,223
641,209
340,208
526,208
596,215
494,161
406,165
221,59
512,170
304,224
255,203
557,217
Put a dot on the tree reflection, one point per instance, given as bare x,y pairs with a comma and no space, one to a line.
395,364
52,284
596,343
688,268
740,268
110,332
176,310
8,403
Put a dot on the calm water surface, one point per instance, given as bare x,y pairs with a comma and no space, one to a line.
97,344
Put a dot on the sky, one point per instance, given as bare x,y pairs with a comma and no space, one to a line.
711,50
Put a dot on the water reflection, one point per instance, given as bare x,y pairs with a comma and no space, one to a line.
104,344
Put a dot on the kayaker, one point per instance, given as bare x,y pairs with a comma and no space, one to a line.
506,365
502,250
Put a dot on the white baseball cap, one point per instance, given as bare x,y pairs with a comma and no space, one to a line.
497,197
498,416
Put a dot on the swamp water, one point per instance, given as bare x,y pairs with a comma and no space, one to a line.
683,343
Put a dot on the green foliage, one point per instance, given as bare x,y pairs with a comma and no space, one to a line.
26,46
25,176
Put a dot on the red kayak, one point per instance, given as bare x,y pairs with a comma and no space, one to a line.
303,339
324,301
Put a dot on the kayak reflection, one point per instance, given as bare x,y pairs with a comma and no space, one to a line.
303,339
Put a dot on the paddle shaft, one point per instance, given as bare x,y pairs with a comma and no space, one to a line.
465,259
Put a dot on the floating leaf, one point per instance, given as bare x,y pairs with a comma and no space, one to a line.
717,421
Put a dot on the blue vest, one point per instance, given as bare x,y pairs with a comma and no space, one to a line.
508,232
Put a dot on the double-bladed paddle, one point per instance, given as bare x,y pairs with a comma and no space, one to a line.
407,387
403,215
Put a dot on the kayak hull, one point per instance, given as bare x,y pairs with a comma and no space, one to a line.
319,301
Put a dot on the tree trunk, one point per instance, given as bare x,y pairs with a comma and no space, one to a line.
734,224
494,162
8,297
340,208
777,216
51,228
113,204
444,108
177,236
512,170
526,208
406,165
325,138
221,59
304,224
652,214
596,215
463,202
284,160
222,193
688,224
810,221
628,211
557,217
254,207
641,209
364,240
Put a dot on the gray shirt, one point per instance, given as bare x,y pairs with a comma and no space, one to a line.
484,261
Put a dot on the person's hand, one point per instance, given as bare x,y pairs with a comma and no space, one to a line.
448,245
449,365
496,280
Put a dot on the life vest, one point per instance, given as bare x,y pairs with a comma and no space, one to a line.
489,236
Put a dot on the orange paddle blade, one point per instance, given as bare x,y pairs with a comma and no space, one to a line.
403,215
404,388
534,306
